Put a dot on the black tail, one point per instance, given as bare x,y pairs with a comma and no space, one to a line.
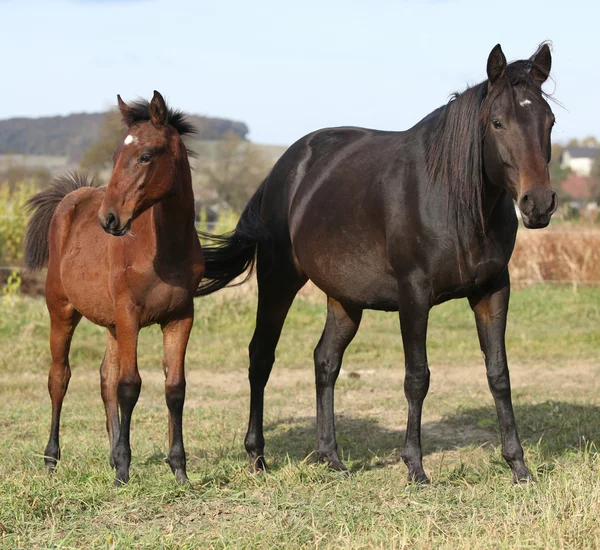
43,206
234,253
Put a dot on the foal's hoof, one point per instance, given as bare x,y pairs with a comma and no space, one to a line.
181,477
257,465
50,465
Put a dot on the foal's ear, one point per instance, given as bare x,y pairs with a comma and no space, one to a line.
541,64
125,110
158,110
496,64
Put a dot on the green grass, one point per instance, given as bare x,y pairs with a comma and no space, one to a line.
553,344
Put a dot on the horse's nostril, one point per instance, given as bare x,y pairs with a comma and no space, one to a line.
554,203
525,197
110,220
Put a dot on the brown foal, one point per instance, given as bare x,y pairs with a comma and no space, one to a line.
140,265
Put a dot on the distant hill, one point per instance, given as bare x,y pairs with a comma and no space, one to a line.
72,135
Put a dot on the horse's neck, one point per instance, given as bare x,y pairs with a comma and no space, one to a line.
173,220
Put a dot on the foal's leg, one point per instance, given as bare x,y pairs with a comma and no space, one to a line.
414,314
490,315
109,376
63,321
277,288
128,386
340,328
175,335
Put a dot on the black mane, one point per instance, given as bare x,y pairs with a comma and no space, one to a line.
455,150
139,111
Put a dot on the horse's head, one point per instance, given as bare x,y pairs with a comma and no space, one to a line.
145,164
518,123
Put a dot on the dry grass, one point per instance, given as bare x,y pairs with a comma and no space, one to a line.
563,255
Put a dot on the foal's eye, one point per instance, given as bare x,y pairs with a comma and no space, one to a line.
497,124
144,159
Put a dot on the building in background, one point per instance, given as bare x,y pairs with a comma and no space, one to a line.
579,159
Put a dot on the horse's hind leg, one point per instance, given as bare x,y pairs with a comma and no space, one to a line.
340,328
175,336
63,321
109,375
278,284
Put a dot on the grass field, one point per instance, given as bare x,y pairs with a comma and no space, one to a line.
553,345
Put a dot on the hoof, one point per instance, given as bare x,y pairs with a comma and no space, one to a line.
419,479
336,465
121,479
50,465
257,465
333,462
523,479
181,477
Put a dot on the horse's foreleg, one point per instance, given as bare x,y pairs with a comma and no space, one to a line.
490,315
414,313
109,377
175,336
128,386
340,328
63,321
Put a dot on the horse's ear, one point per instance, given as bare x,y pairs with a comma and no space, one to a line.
158,110
541,64
125,110
496,64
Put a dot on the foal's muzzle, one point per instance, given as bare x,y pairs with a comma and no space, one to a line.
112,225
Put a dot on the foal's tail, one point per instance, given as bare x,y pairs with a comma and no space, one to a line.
43,206
234,253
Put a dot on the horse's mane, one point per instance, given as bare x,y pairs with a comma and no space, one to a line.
139,111
454,156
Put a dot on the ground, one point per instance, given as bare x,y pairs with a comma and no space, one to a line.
553,345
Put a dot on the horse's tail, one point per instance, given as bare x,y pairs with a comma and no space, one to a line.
232,254
43,205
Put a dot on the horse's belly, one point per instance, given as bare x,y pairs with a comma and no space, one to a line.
349,272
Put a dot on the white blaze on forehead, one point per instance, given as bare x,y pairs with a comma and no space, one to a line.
130,139
524,102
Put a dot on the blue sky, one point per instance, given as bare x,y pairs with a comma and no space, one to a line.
289,68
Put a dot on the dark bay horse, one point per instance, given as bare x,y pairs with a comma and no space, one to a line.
139,266
398,221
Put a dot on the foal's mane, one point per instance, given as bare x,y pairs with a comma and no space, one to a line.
139,111
455,153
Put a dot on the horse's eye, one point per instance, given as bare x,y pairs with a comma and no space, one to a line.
144,159
497,124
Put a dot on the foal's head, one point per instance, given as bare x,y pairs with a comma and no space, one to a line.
147,163
517,124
